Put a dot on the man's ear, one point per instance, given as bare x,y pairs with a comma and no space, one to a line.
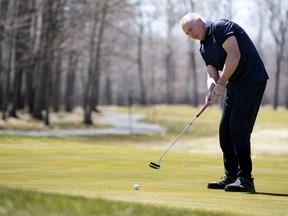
199,20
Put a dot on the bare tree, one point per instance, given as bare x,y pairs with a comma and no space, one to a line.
94,65
170,57
9,10
70,81
279,28
286,89
192,89
95,50
23,52
141,26
73,55
100,37
89,88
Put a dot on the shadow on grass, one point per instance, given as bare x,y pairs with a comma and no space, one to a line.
271,194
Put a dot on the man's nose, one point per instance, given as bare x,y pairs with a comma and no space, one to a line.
191,34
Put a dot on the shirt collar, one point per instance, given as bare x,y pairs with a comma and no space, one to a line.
208,27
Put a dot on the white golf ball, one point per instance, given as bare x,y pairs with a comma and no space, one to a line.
136,187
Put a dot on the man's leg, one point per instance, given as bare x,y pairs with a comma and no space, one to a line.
245,109
229,156
226,144
246,105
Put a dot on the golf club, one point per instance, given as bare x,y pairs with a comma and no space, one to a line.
157,165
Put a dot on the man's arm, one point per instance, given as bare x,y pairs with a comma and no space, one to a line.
233,57
232,60
212,78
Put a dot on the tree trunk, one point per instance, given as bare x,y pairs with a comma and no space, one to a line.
140,60
29,92
38,79
55,84
140,66
108,90
170,74
91,68
192,94
278,26
2,8
70,81
38,102
277,79
169,58
22,55
91,102
96,87
8,13
47,72
16,92
286,94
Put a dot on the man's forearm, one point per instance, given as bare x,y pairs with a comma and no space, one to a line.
230,66
210,83
232,59
212,78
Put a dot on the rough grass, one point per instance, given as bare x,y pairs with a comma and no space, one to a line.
95,175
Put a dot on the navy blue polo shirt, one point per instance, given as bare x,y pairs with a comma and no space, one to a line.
250,68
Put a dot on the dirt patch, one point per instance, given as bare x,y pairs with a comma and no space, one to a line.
270,141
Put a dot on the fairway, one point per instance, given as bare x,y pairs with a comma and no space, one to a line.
107,167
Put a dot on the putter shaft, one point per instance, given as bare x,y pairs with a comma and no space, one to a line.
183,131
157,166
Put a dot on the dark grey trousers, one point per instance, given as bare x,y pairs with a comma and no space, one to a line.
239,113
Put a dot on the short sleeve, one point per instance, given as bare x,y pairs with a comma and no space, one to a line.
223,29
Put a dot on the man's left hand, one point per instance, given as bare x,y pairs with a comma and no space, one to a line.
217,92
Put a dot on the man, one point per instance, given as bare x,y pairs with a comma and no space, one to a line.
226,47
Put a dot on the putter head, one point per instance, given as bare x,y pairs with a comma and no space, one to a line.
154,165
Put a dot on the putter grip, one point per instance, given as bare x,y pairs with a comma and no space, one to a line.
203,108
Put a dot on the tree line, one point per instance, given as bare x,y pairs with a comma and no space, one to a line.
58,54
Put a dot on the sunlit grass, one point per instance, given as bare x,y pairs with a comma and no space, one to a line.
33,203
90,168
95,175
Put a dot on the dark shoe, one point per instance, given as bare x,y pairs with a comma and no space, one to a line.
241,185
221,184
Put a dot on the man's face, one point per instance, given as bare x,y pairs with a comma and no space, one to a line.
195,29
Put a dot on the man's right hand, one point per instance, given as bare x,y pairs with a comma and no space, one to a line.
217,92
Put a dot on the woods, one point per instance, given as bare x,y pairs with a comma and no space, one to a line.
56,55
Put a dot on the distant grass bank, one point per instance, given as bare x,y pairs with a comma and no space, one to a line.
177,116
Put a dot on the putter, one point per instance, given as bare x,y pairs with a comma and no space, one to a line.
157,165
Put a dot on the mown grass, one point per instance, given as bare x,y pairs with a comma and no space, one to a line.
95,175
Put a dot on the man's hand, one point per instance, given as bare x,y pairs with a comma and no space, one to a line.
208,96
217,92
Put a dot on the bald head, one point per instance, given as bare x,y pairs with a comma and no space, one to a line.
193,25
190,17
